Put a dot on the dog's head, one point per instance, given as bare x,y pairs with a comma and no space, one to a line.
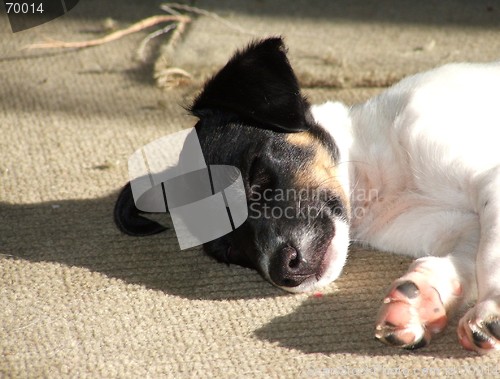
253,116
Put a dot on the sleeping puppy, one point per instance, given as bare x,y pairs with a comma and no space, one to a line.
415,171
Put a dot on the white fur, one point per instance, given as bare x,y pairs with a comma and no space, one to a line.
424,171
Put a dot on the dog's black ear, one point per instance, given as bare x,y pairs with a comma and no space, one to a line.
259,87
128,218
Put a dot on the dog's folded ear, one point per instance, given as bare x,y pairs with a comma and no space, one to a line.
258,87
128,219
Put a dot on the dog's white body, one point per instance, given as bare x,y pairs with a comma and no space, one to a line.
423,161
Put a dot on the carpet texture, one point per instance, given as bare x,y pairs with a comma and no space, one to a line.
79,299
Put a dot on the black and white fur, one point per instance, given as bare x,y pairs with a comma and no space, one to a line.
415,171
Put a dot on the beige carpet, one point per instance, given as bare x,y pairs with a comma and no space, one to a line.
78,299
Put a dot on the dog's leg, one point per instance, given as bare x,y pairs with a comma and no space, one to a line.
419,303
479,329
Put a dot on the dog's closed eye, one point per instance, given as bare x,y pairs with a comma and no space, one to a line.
335,205
259,176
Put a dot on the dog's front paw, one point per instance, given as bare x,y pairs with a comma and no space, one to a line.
479,329
412,313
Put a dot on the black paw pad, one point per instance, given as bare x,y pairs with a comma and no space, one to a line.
392,340
409,289
418,345
479,338
494,328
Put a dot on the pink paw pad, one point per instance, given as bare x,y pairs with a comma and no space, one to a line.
479,329
412,313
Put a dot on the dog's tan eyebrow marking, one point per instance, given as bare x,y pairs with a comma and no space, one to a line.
320,171
301,139
320,167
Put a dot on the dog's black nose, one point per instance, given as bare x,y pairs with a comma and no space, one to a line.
287,268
